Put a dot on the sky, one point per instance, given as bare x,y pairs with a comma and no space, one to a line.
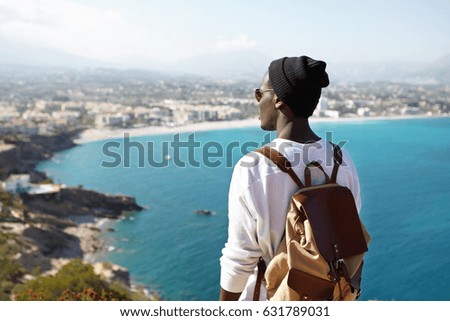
148,33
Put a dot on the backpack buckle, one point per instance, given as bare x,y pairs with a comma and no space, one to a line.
343,270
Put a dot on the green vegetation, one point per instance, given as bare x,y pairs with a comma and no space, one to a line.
6,198
13,201
10,270
74,281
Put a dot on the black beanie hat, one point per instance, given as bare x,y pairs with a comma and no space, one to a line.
298,82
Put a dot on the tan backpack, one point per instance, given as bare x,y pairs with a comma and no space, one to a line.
321,254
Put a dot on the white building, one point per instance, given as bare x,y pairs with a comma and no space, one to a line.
73,106
110,120
229,113
323,103
323,109
7,116
49,106
330,113
17,184
181,117
35,116
66,117
159,113
21,184
102,108
364,111
410,111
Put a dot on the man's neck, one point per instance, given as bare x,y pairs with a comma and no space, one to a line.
296,129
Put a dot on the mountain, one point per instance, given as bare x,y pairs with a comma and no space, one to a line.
22,54
246,65
370,71
434,72
438,70
251,65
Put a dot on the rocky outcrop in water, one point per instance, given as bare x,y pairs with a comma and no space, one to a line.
78,202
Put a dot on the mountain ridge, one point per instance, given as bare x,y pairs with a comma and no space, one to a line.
246,65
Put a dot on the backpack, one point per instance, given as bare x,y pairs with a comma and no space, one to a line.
321,254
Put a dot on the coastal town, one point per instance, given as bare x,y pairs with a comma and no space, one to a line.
46,225
65,101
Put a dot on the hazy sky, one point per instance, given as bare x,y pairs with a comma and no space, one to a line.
146,32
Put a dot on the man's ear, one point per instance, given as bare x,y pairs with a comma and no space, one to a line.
278,103
284,108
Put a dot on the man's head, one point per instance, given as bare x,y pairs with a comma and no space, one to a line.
298,82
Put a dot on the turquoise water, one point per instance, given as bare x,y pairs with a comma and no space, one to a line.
404,171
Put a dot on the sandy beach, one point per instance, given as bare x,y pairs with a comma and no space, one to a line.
91,135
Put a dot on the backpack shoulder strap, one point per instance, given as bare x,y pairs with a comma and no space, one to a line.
281,161
337,158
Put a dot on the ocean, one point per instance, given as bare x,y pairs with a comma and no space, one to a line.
404,171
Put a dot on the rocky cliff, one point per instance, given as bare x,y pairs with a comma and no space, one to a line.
73,202
28,151
42,232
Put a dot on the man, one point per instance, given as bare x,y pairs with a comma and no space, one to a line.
259,191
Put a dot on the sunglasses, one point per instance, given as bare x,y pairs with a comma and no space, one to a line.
259,93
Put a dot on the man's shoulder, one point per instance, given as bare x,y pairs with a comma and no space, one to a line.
254,165
251,162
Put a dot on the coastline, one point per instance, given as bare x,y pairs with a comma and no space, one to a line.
254,122
48,231
92,135
45,231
